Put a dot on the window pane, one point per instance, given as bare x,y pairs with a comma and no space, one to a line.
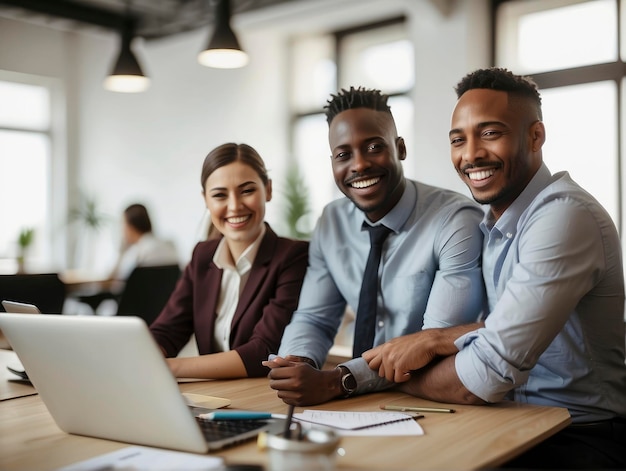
381,58
313,157
24,168
314,72
622,28
534,37
581,129
24,106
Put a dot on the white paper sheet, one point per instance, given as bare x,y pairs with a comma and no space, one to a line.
139,458
348,423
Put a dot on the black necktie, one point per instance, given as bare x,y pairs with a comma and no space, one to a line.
365,326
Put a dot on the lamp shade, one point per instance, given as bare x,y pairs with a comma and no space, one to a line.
223,51
126,76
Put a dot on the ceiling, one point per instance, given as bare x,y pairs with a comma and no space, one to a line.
152,19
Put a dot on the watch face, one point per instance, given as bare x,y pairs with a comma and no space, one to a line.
348,382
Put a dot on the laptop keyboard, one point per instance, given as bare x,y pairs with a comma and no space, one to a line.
221,429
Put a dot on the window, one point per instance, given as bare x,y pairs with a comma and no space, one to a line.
587,34
580,73
373,56
25,170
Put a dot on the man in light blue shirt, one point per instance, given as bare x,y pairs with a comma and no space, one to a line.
429,274
553,271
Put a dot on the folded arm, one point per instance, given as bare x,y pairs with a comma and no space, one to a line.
423,364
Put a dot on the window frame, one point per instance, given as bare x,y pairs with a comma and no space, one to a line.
55,255
609,71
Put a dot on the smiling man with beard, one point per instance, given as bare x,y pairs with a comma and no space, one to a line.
429,273
552,266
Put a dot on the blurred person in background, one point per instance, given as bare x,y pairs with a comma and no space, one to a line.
140,246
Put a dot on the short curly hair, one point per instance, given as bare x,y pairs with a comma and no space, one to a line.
501,79
356,98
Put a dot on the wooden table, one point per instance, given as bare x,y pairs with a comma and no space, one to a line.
474,437
81,281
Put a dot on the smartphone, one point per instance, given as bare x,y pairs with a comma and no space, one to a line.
20,308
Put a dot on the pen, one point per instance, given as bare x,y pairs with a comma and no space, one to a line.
416,409
287,432
235,415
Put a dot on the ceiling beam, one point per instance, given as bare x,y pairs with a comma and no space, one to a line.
74,11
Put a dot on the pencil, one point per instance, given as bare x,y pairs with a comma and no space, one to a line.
287,432
416,409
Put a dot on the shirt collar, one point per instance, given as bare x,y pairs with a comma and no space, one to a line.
400,213
223,258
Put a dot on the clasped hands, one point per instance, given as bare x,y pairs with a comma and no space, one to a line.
299,383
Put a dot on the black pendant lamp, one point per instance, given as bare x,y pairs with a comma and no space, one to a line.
223,51
127,76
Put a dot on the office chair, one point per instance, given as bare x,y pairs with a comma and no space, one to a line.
44,290
147,290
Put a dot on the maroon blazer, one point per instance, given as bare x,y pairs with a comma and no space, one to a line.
269,298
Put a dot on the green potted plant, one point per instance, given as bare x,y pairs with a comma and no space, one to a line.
88,214
24,241
297,204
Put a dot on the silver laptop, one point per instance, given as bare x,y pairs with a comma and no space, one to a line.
106,377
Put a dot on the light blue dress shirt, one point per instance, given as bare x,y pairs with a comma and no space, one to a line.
555,333
429,273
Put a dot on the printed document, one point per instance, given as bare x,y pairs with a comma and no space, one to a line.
363,423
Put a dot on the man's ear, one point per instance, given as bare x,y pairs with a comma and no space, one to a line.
401,146
537,135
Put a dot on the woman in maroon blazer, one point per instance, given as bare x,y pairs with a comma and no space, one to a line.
240,289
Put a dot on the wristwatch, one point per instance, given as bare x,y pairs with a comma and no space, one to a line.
348,381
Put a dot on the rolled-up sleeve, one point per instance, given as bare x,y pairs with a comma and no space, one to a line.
482,369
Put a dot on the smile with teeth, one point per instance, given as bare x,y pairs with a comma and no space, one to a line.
365,183
237,219
481,174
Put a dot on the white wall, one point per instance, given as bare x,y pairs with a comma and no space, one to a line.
149,147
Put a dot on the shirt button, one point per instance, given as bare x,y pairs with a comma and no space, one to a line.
381,324
509,235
